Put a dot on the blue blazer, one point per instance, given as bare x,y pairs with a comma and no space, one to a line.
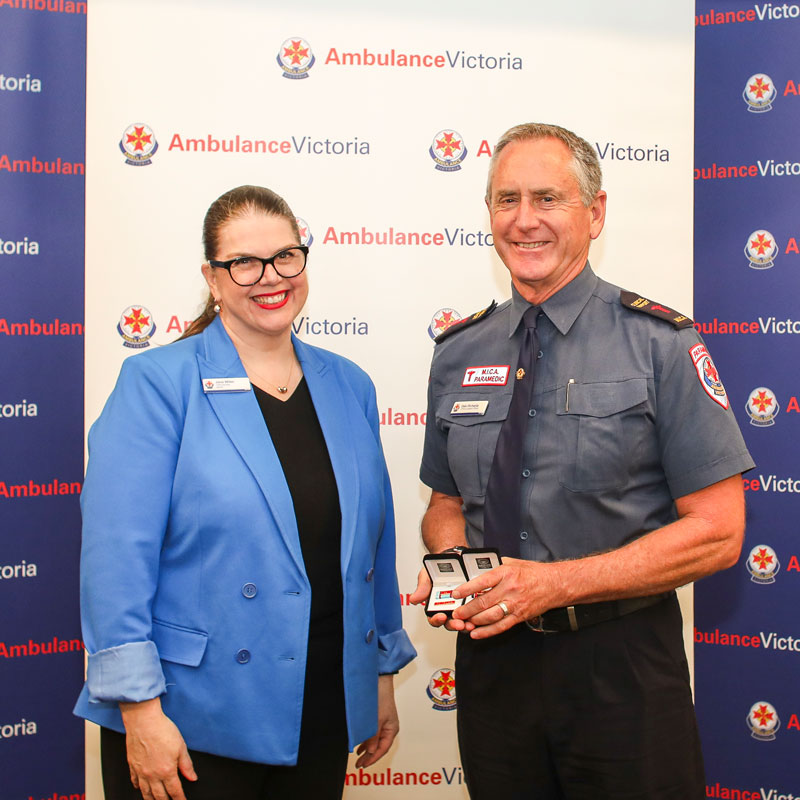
192,579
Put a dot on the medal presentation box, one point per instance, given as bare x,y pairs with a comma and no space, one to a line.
451,569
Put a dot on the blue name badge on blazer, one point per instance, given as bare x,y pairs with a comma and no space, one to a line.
226,385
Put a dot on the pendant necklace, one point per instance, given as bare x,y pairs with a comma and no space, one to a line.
281,389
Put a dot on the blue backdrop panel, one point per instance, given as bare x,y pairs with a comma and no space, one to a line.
42,132
747,281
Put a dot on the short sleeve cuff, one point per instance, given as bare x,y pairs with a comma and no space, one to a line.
439,483
394,652
708,474
130,673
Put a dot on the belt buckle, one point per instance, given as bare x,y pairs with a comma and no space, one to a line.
537,624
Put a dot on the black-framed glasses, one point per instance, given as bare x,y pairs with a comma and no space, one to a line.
248,270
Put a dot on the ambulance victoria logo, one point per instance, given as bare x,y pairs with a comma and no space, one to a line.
763,564
763,721
759,93
762,407
306,237
442,689
136,327
295,58
442,320
139,144
448,150
761,249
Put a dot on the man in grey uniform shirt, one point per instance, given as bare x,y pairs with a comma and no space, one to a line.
571,676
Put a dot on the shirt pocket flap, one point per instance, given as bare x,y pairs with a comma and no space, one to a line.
496,409
601,399
179,645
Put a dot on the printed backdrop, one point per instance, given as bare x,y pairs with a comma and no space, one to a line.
747,281
42,111
377,126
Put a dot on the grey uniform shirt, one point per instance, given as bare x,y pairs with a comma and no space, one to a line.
646,420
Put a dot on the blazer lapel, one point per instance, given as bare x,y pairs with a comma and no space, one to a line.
333,414
241,418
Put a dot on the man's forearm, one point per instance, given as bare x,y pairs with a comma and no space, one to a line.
443,525
706,538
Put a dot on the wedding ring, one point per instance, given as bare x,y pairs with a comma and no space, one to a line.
503,607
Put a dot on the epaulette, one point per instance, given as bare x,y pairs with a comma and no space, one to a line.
638,303
466,322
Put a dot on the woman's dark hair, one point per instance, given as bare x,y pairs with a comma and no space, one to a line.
237,202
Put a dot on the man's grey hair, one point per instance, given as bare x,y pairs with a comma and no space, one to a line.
585,163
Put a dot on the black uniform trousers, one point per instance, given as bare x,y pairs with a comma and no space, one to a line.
603,712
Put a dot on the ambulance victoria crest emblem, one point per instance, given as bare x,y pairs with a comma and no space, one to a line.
762,407
442,320
763,564
295,58
442,689
136,327
306,237
759,93
761,249
448,150
138,144
763,721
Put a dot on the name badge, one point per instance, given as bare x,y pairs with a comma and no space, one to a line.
469,408
489,375
226,385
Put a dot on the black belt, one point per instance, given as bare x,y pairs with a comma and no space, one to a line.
573,618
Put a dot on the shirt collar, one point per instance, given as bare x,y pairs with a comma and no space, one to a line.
562,308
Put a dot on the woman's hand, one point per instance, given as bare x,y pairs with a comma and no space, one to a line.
388,725
156,751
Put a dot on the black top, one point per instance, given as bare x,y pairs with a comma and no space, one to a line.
300,445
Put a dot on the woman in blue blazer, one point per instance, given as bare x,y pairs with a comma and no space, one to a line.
239,598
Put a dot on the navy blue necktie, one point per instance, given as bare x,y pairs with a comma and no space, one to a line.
501,511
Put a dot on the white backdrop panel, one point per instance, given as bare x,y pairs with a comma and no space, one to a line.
618,73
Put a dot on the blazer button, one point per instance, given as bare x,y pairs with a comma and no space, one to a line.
368,637
249,590
370,573
243,656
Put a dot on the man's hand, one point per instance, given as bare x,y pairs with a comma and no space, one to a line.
527,588
156,751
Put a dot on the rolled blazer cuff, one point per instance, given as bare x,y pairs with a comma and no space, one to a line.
129,673
394,652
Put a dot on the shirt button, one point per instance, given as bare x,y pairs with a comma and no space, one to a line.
532,412
526,473
249,590
243,656
539,354
523,535
370,573
368,637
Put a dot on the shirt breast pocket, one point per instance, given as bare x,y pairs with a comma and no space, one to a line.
599,425
472,438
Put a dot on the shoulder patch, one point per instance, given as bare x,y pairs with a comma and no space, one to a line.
638,303
466,322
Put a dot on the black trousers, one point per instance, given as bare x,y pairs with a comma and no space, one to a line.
604,712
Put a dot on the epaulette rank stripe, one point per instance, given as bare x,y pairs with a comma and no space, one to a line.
466,322
638,303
